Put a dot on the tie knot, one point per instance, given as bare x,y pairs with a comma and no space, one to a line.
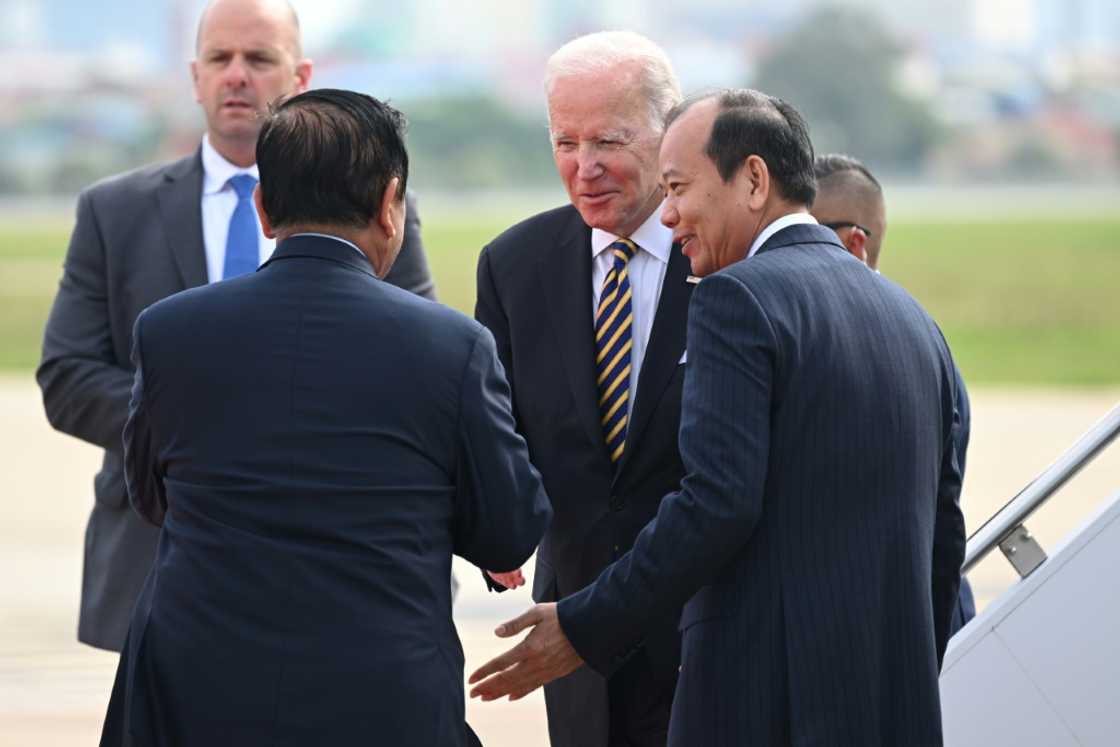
624,249
243,185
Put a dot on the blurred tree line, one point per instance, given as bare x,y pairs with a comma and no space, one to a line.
476,142
840,68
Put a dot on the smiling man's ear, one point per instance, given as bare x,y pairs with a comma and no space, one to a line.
757,176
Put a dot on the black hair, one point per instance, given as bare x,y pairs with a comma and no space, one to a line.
837,165
750,123
326,156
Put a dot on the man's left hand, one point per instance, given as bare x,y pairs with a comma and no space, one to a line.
543,656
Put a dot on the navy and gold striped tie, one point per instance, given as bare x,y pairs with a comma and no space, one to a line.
613,344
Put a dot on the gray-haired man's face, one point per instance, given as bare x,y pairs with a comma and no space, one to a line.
605,148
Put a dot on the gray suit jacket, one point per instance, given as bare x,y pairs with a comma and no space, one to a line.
137,239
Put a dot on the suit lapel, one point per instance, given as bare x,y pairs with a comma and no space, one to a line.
180,209
565,273
663,353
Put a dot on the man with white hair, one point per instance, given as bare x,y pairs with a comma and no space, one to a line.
588,304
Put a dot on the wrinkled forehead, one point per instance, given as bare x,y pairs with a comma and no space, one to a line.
598,105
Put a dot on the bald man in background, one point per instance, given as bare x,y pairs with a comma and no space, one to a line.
850,202
150,233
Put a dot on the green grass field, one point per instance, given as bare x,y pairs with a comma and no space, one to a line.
1022,301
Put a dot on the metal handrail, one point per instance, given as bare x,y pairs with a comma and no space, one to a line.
1015,512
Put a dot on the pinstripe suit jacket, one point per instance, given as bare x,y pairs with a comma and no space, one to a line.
817,535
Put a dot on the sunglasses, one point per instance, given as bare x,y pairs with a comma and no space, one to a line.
847,224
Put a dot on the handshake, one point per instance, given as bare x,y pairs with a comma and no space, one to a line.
510,580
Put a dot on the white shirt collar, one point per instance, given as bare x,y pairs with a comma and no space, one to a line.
217,171
653,237
350,244
792,219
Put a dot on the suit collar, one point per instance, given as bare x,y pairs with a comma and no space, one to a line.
808,233
179,197
318,246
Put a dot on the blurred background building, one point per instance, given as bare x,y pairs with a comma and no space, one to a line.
946,91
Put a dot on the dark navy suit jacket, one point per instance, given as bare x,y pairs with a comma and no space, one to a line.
137,238
316,443
817,535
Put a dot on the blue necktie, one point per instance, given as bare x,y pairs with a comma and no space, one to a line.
613,344
242,250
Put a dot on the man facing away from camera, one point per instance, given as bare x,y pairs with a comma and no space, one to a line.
816,541
315,444
147,234
587,303
850,201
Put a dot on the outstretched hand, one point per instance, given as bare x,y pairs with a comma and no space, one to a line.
510,580
543,656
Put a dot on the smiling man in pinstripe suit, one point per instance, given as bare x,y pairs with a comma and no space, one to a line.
816,538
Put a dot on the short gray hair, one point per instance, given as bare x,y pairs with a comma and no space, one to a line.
603,50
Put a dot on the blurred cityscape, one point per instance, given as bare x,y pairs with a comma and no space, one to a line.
945,91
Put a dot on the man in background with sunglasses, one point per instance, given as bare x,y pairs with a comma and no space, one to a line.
850,202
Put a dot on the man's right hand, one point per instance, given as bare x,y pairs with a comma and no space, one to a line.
510,580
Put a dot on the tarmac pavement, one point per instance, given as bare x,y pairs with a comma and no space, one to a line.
53,690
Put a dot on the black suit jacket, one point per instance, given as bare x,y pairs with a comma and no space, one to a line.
817,535
137,239
534,294
316,444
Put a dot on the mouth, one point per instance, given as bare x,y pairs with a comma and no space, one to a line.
597,198
684,242
238,105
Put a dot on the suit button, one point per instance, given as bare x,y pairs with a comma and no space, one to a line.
616,503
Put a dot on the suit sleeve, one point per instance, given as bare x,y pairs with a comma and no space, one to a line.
948,530
410,271
146,491
85,390
502,509
724,444
488,311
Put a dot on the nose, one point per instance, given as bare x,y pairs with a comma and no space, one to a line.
669,215
588,161
236,73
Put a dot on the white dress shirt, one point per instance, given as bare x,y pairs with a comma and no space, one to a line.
647,273
792,219
218,203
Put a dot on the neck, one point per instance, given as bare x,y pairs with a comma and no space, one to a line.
652,204
353,235
240,153
363,238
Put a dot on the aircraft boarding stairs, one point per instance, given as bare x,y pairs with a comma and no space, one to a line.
1040,666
